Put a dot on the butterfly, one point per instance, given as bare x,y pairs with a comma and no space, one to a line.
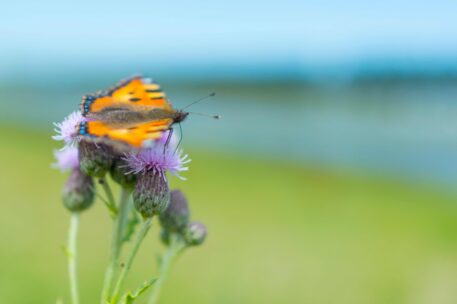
134,112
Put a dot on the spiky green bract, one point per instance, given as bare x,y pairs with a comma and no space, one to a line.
151,194
176,217
195,234
95,159
78,192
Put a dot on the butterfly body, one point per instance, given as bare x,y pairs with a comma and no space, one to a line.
127,117
132,113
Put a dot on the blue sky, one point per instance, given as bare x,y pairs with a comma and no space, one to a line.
50,33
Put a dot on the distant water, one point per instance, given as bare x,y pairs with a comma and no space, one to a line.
408,129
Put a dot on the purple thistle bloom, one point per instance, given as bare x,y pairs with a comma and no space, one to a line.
158,160
66,130
66,159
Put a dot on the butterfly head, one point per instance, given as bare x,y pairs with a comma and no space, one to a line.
180,116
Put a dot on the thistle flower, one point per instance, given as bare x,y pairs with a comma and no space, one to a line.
176,217
78,192
151,194
95,159
195,234
66,130
158,159
66,159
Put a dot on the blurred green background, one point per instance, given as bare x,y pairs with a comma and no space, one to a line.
330,178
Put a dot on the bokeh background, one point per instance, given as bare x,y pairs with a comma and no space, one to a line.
330,178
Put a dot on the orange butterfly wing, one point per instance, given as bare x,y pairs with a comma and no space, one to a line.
136,92
134,136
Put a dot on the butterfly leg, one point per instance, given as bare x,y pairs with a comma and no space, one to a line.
180,137
167,142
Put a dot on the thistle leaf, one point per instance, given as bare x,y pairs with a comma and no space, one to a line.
130,297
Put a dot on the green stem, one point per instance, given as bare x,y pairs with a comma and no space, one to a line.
136,246
124,211
119,224
72,255
110,203
175,248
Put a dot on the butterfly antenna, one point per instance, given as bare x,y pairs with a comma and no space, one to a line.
206,115
197,101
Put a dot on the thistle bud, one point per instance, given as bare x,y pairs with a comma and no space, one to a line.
120,173
95,159
195,234
176,217
151,195
78,193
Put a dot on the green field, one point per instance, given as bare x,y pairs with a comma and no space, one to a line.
278,233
